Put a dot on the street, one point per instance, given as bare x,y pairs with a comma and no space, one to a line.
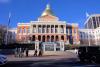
69,59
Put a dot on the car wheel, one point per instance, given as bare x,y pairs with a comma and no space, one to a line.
93,59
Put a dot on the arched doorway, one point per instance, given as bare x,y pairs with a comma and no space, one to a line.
52,38
39,38
56,37
43,38
62,37
48,38
33,38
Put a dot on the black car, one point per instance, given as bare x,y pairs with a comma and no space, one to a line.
89,54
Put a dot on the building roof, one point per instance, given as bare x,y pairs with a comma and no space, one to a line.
93,15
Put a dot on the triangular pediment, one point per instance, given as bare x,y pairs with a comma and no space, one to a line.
48,18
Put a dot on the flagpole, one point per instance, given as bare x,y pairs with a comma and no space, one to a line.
8,27
87,15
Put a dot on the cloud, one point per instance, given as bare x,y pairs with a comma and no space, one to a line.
5,1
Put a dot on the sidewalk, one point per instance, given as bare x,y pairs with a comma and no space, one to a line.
58,56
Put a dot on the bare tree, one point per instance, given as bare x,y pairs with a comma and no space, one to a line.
3,30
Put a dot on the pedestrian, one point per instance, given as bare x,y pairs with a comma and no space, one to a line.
35,53
20,52
16,52
40,53
27,52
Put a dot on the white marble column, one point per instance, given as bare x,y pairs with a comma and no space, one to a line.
50,38
37,45
43,47
41,28
54,47
45,28
54,29
31,29
64,29
50,29
92,24
61,45
36,28
58,29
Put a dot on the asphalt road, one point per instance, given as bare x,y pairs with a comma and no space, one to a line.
71,62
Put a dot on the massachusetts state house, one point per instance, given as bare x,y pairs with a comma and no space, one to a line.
48,32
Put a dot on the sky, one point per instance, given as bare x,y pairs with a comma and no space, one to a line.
71,11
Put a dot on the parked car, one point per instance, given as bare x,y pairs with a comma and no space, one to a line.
3,59
89,54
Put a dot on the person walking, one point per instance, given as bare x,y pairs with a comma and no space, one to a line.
35,53
40,53
20,52
27,52
16,52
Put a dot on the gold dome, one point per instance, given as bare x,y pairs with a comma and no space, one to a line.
47,11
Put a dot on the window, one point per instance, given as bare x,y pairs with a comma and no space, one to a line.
39,30
49,46
81,34
67,31
70,31
28,30
62,29
74,31
24,30
56,30
48,30
43,31
51,30
94,22
20,30
34,30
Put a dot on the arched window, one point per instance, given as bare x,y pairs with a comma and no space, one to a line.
48,38
39,37
57,38
33,38
62,37
52,38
